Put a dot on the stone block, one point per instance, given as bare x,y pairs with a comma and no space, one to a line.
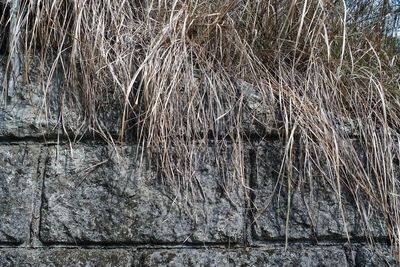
314,211
92,196
64,257
33,109
37,109
18,180
362,255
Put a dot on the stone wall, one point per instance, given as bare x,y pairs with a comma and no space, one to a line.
87,204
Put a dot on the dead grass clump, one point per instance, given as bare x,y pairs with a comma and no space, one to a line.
172,68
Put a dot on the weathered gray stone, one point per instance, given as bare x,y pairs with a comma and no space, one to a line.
295,256
344,126
64,257
261,116
361,255
314,211
18,179
32,111
92,196
108,121
244,110
38,109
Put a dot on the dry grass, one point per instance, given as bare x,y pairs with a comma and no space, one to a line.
172,67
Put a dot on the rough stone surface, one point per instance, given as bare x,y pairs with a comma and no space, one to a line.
314,211
361,255
91,196
260,116
32,111
64,257
109,117
297,256
301,255
18,178
96,207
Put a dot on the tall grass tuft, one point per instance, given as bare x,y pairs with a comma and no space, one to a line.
173,69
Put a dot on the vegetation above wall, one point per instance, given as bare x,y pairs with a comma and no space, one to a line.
173,68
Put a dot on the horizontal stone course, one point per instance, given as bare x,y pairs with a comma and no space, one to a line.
18,179
35,111
294,255
91,196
